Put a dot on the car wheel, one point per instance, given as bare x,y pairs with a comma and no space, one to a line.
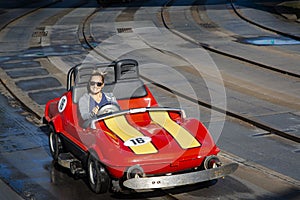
97,175
55,144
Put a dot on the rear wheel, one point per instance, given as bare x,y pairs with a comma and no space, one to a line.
97,175
55,143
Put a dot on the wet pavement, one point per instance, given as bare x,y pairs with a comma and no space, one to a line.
269,41
21,142
25,162
26,167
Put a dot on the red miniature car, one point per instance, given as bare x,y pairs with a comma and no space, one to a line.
135,144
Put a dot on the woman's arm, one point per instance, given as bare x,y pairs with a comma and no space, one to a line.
84,107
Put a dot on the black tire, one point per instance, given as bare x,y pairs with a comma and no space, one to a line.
98,178
55,143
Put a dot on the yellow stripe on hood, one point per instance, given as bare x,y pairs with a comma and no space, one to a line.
185,139
120,126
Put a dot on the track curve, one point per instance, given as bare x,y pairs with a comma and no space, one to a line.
235,115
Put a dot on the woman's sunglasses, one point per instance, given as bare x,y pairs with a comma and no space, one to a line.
92,83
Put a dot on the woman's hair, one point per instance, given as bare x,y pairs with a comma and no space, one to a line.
95,73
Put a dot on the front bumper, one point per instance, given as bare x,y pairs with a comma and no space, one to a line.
180,179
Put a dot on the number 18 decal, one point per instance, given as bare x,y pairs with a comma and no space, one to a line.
137,141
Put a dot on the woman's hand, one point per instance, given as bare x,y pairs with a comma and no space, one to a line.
95,110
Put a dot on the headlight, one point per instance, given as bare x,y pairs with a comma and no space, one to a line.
135,171
211,162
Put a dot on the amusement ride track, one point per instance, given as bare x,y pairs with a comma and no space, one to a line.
233,56
87,39
240,15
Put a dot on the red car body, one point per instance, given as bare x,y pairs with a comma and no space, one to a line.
140,141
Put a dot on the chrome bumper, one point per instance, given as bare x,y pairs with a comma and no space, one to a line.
180,179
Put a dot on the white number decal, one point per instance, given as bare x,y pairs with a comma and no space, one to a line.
137,141
62,104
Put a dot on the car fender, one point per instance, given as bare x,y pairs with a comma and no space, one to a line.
57,123
51,109
96,152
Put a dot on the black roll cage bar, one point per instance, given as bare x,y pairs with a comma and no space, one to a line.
71,76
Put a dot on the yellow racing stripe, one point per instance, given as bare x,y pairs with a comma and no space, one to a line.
120,126
181,135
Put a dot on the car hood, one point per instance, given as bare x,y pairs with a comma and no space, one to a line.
155,133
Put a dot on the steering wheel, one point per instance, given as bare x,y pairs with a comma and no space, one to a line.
105,109
108,108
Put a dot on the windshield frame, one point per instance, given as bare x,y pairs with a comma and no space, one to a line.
136,110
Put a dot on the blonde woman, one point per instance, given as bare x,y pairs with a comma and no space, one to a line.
91,102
